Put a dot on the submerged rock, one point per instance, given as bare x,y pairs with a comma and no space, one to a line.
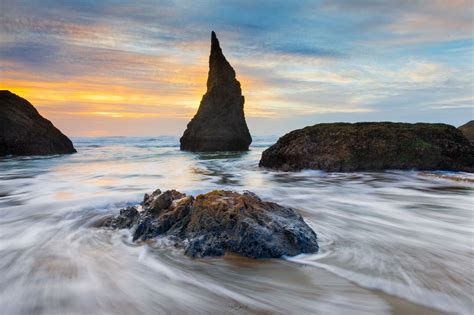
218,222
219,124
23,131
344,147
468,130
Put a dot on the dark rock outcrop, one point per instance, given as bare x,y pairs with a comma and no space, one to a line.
219,124
23,131
218,222
344,147
468,130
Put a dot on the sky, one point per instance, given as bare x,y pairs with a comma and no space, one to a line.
99,68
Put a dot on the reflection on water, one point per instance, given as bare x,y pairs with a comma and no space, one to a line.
408,234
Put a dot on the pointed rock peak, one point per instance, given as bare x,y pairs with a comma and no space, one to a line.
219,124
215,47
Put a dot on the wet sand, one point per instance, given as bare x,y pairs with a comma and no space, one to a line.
403,307
321,279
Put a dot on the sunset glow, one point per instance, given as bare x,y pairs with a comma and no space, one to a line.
87,65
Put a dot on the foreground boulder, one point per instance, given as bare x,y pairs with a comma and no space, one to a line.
344,147
468,130
23,131
218,222
219,124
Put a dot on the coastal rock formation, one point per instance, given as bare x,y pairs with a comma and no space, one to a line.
468,130
218,222
344,147
219,124
23,131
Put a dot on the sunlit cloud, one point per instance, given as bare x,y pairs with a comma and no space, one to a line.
301,62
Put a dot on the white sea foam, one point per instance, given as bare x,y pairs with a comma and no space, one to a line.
406,233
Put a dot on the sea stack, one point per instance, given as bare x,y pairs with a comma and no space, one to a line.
23,131
219,124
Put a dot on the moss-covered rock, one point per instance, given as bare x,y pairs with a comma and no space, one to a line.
371,146
218,222
468,130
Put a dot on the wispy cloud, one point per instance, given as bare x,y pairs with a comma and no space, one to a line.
299,62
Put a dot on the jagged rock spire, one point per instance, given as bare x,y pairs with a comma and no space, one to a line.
219,124
215,47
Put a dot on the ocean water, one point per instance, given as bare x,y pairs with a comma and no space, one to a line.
402,235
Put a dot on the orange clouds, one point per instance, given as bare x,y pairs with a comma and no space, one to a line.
173,93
